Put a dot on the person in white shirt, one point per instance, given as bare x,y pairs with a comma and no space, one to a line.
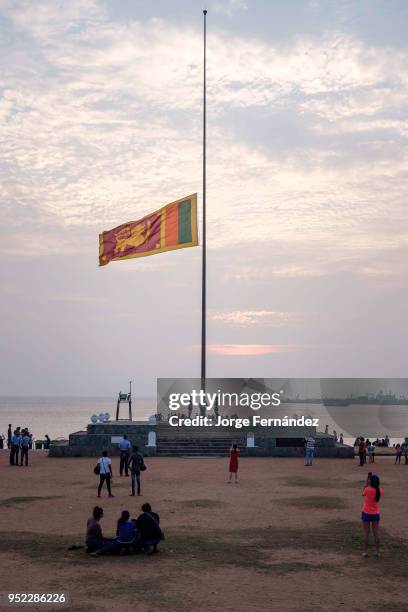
124,447
105,473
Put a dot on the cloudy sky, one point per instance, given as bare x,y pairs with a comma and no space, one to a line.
100,123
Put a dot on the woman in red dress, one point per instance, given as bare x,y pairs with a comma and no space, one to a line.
233,464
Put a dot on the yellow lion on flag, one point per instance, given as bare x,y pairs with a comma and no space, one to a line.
132,237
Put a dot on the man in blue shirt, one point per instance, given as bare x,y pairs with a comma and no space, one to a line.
25,445
124,447
15,447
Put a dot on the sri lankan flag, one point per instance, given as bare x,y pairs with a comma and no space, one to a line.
172,227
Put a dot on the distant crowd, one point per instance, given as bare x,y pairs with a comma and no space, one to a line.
366,448
383,443
19,442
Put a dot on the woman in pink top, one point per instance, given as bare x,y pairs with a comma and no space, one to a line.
370,512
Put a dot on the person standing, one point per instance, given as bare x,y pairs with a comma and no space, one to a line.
9,436
398,453
124,447
105,473
136,465
371,452
406,453
370,512
234,463
25,445
362,451
216,408
310,448
15,447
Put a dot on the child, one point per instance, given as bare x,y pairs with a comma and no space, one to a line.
370,450
370,512
233,464
398,453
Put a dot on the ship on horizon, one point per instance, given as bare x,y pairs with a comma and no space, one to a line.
380,399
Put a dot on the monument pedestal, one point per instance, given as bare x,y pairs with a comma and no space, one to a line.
163,440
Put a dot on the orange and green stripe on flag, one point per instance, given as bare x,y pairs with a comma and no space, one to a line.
172,227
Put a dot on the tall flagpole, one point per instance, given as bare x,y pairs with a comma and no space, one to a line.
204,245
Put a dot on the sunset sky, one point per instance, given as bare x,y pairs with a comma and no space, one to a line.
101,123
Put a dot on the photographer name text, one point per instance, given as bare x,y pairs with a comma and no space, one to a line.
238,423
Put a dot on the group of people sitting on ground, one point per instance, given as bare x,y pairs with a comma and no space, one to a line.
132,535
366,447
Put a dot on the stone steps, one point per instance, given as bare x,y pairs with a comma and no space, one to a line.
184,433
193,447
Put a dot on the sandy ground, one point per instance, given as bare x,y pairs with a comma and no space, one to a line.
286,538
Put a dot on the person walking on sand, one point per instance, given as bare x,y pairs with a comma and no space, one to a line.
136,465
398,453
310,448
234,463
105,473
370,512
124,447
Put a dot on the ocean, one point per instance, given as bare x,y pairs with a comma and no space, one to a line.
60,416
